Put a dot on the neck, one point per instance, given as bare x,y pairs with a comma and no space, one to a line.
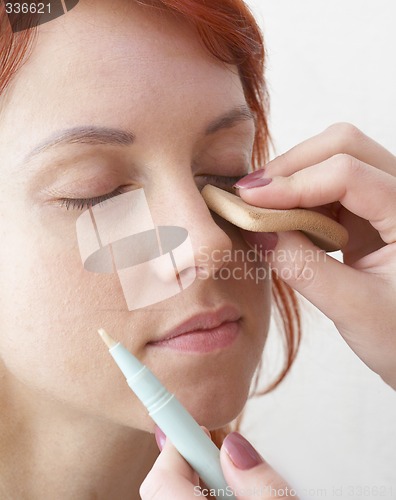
48,451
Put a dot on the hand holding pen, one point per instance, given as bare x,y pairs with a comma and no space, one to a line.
190,454
248,475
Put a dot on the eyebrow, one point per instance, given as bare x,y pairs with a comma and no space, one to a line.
83,135
230,119
105,135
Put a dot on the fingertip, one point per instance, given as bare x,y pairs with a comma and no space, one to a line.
261,242
250,179
244,468
241,453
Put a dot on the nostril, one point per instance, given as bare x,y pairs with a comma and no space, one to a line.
186,276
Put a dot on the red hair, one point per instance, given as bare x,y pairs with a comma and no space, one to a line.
229,31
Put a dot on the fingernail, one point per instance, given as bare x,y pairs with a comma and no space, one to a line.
255,179
241,452
261,242
159,437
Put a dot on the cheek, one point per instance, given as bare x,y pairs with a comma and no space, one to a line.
49,313
251,281
253,287
50,307
45,281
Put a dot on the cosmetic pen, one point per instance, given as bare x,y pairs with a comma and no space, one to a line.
172,418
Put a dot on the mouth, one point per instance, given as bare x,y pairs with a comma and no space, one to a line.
203,332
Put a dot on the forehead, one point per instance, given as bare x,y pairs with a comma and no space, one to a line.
118,65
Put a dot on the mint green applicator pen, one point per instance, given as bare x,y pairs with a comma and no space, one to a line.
172,418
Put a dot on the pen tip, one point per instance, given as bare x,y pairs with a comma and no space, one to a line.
110,342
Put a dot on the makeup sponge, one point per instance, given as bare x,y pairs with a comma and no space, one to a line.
324,232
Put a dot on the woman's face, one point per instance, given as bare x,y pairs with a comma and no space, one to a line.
129,68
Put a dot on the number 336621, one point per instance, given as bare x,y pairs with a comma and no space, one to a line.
25,8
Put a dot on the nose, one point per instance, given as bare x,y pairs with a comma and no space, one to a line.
211,245
157,245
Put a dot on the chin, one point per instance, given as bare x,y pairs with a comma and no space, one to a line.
213,411
219,416
212,420
217,409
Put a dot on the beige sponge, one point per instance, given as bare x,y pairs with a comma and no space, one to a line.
321,230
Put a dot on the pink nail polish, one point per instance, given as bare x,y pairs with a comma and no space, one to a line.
241,452
255,179
160,437
261,242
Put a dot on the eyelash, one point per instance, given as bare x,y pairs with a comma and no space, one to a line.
81,203
222,181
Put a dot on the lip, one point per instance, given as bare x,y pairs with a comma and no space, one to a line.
203,332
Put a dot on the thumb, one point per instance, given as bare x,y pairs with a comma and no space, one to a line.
323,280
171,476
248,474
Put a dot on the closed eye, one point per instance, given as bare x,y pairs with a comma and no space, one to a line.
81,203
222,181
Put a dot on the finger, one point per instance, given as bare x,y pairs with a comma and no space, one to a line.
171,477
365,191
363,238
338,138
248,474
342,293
330,285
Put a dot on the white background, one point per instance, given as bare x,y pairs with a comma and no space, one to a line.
330,428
